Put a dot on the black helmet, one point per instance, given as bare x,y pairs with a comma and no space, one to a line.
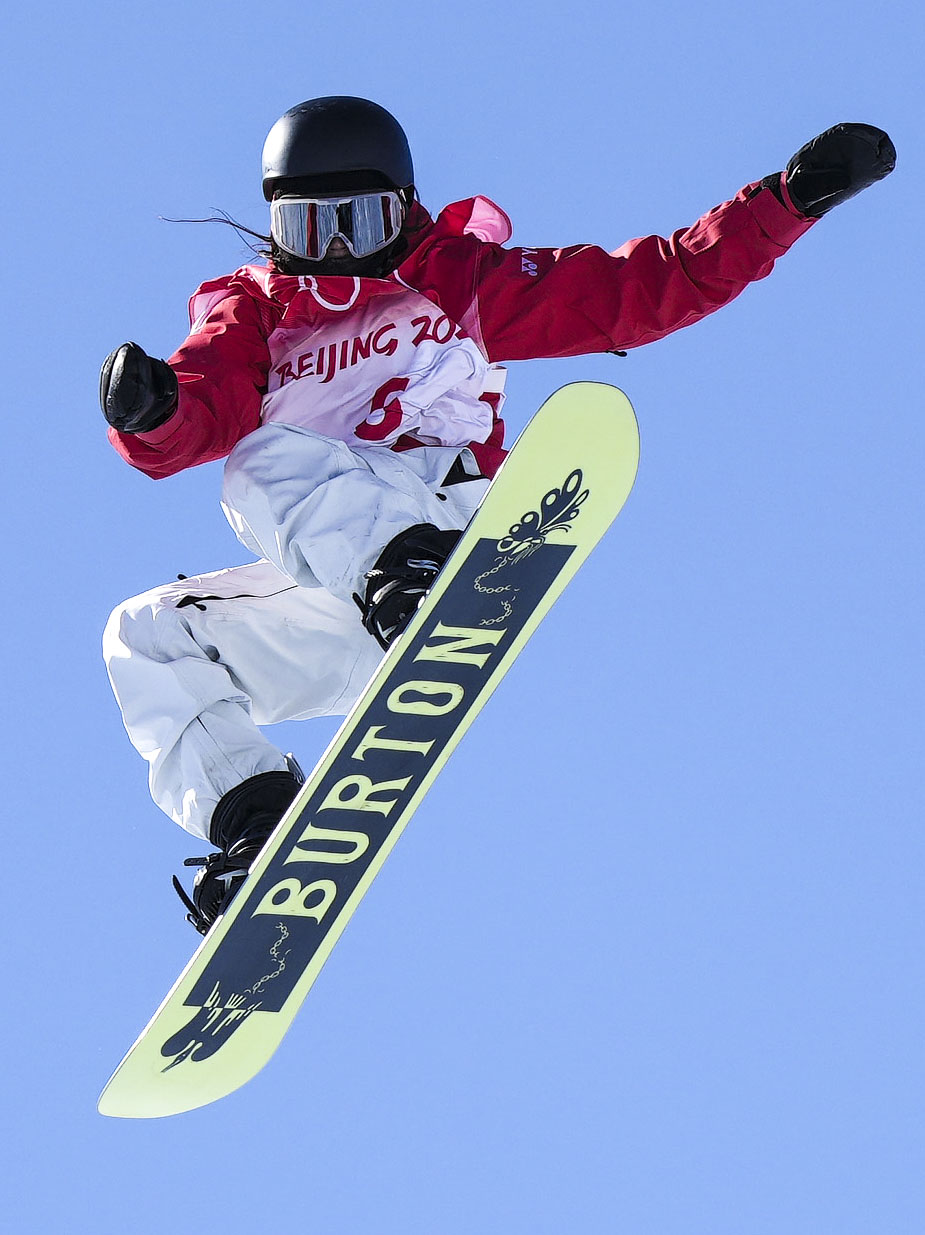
337,142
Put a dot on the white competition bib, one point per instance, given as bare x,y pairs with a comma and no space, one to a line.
375,367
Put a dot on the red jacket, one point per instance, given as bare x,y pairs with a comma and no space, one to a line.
370,352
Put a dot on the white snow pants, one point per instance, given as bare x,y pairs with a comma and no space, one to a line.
198,665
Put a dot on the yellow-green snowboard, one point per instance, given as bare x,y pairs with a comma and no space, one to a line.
563,483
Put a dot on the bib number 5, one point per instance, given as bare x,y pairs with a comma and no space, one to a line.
385,413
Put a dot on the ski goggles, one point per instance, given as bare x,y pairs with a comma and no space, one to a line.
366,222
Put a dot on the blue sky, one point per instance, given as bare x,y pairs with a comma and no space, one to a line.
649,957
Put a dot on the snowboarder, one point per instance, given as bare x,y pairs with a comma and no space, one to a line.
353,382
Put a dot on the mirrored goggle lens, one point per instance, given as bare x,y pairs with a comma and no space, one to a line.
305,226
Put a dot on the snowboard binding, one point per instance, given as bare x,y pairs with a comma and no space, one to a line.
241,824
401,578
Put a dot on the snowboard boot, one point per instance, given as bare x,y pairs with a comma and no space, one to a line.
401,578
241,823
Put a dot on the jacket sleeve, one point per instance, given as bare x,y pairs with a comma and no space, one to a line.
222,371
567,302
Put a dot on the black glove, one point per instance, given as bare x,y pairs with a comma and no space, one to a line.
836,165
137,392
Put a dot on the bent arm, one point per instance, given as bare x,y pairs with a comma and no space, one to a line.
222,371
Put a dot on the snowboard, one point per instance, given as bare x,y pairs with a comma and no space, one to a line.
563,483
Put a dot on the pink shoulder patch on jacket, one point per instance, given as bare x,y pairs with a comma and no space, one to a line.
479,217
488,222
204,300
258,282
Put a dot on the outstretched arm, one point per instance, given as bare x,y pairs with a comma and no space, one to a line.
572,301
